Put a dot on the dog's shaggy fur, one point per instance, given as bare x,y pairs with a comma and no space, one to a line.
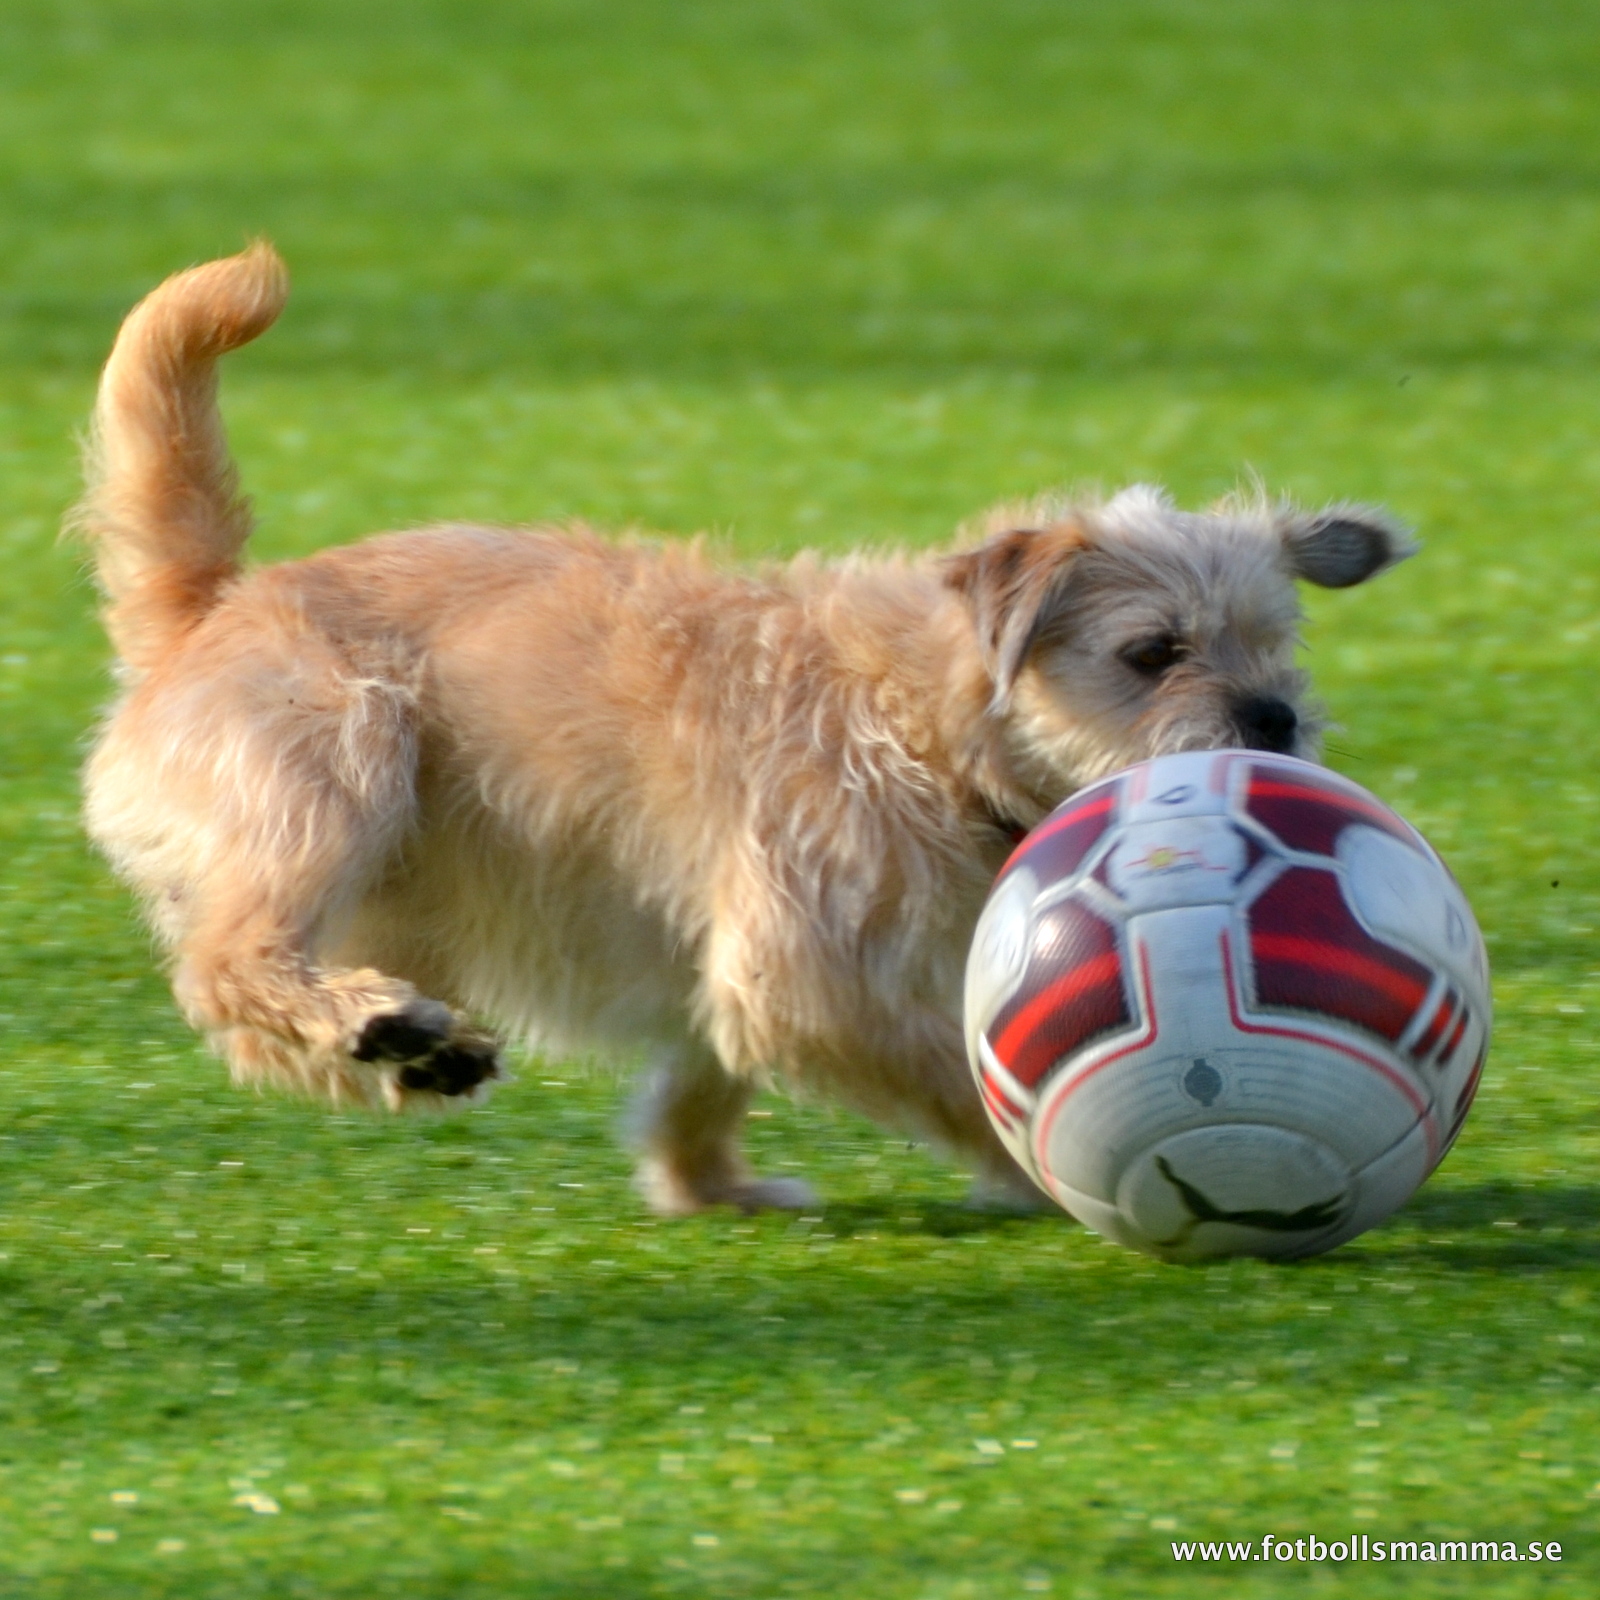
607,794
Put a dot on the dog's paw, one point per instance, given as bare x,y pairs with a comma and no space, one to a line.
669,1193
432,1052
455,1068
775,1194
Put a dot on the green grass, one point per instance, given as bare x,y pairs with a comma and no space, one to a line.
805,273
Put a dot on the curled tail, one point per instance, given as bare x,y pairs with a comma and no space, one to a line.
163,508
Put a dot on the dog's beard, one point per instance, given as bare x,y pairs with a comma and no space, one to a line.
1201,722
1063,755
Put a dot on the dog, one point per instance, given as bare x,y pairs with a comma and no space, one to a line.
611,795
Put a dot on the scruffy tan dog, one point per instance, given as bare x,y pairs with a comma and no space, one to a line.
608,795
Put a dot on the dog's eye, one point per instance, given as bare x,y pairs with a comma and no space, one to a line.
1154,656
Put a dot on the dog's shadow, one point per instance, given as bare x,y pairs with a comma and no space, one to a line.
1497,1224
945,1219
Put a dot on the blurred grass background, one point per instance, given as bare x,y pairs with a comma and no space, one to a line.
804,274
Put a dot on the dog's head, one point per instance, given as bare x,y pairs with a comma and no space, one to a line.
1116,632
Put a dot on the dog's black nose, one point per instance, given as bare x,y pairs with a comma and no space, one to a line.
1266,723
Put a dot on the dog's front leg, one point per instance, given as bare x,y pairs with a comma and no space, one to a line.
689,1124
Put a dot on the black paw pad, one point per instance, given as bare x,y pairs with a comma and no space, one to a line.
456,1071
395,1038
449,1071
429,1060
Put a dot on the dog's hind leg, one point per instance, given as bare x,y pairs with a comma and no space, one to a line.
688,1123
249,974
255,805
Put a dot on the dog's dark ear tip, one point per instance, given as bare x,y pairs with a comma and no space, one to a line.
1345,545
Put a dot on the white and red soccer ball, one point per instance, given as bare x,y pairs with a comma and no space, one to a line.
1227,1003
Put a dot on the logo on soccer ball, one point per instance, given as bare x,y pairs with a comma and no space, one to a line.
1164,858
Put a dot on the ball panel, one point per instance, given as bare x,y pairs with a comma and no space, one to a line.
1072,992
1465,1095
1307,1032
1407,899
1308,953
1061,843
1175,861
1194,784
998,958
1090,1123
1442,1023
1009,1105
1386,1183
1100,1216
1306,808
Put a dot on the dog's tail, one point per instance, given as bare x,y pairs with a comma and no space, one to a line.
163,508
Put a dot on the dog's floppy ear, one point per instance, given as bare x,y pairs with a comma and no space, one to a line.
1343,545
1012,583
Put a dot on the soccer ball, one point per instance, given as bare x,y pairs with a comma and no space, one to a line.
1227,1003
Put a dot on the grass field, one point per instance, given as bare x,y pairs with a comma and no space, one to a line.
813,273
